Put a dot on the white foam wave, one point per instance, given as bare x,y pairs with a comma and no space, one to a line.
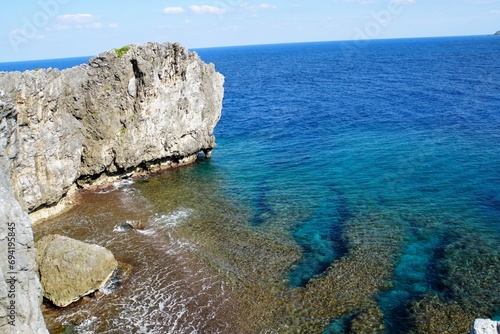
120,229
124,183
173,218
88,326
164,302
106,190
147,232
111,285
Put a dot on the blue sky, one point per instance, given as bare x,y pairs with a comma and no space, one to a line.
41,29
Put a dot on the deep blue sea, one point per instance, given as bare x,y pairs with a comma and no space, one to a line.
30,65
392,145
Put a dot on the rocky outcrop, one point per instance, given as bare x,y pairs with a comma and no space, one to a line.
132,225
148,106
485,326
70,269
20,290
497,33
156,104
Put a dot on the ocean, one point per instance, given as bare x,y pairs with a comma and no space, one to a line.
355,187
31,65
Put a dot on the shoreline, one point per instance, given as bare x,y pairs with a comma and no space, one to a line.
124,114
102,182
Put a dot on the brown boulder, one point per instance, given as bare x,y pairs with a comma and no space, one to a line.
70,269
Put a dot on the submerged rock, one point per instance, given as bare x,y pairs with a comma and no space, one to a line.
132,225
70,269
485,326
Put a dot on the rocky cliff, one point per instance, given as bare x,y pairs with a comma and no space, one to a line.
128,110
151,103
20,290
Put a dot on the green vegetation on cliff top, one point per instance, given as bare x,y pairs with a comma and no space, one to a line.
123,50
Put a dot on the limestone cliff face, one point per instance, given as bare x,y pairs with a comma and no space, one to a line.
20,290
46,140
155,104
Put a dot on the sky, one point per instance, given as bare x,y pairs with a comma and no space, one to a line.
46,29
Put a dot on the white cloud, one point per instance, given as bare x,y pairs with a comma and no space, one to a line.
363,2
266,6
263,6
79,21
76,18
404,2
173,10
206,9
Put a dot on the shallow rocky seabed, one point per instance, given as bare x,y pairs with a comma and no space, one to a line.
200,266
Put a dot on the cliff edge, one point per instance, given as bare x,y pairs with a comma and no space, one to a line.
127,111
124,109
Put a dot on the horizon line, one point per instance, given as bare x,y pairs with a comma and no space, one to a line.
256,44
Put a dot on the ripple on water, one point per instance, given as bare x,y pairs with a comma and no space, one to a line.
167,289
88,326
171,219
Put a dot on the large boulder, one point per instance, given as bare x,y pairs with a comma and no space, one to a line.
70,269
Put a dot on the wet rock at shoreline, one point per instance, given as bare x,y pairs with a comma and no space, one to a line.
70,269
132,225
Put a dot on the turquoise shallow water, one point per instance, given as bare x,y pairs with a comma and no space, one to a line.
410,127
354,188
